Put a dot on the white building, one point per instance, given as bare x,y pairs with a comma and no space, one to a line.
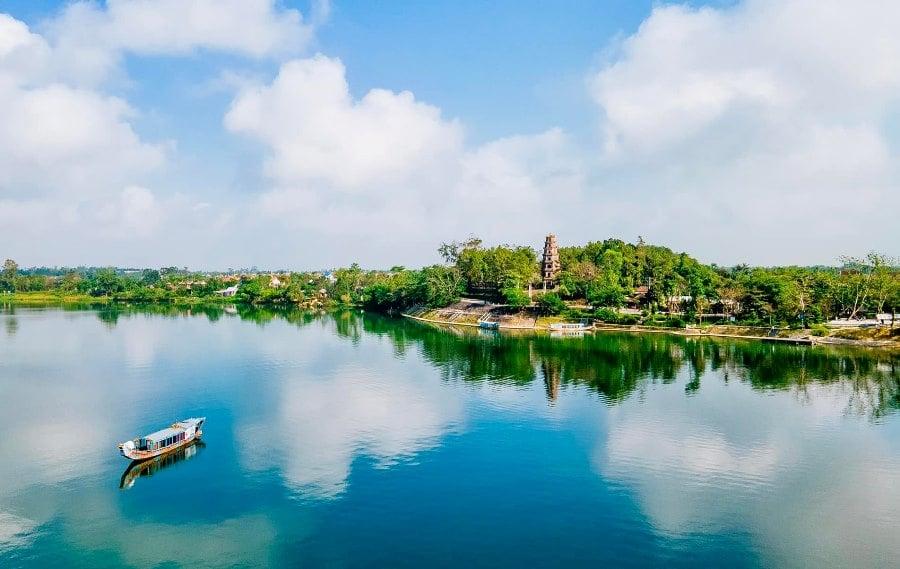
230,291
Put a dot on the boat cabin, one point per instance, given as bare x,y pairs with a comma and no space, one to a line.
164,438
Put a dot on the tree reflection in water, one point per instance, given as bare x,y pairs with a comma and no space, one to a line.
615,365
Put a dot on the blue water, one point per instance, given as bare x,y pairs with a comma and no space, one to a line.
353,440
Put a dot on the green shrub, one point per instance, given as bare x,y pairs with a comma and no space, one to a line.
819,330
551,304
675,322
574,314
606,315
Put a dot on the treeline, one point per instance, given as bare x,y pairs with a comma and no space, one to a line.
168,285
603,276
608,275
352,286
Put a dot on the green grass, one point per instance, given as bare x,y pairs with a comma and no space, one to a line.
46,297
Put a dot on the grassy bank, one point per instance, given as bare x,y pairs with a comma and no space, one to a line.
48,297
45,298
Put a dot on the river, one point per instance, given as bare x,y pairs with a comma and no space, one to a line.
354,440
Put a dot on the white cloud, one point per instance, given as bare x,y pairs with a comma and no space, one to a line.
71,163
759,132
136,212
342,166
756,118
90,38
317,132
23,54
61,140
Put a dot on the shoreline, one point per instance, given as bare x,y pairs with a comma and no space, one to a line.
807,340
804,337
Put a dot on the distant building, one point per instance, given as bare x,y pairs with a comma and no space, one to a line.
639,297
230,291
887,318
275,282
550,262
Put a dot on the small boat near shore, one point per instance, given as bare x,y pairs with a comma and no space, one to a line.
569,326
174,437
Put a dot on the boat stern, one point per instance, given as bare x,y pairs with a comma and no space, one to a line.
199,425
127,449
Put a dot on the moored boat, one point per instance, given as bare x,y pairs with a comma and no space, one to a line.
163,441
569,326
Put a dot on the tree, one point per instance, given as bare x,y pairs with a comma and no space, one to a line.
602,293
250,291
514,295
884,280
105,282
550,303
439,285
10,269
150,277
858,280
450,251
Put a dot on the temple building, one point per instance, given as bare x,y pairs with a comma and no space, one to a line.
550,262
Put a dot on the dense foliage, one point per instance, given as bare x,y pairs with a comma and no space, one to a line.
604,275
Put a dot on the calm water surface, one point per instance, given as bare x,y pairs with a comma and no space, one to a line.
350,441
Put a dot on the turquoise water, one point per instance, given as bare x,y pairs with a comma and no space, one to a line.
354,440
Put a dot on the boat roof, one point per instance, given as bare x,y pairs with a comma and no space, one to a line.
163,434
176,428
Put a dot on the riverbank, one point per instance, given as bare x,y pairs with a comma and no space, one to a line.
57,299
52,298
472,313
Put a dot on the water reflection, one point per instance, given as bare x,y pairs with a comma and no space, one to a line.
327,416
617,365
788,454
150,467
614,365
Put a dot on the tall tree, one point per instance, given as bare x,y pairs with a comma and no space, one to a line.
10,269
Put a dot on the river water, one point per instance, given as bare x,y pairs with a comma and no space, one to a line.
352,440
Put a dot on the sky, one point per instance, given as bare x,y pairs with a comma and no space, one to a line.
313,134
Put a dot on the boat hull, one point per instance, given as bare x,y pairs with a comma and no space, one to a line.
179,435
142,455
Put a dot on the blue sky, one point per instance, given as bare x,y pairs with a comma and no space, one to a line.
694,125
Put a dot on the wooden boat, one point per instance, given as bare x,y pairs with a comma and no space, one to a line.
166,440
569,326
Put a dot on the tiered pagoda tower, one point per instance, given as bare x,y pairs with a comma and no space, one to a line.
550,262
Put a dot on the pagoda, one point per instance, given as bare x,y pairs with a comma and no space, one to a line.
550,262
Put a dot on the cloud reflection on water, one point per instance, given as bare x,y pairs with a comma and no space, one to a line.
726,460
323,422
786,446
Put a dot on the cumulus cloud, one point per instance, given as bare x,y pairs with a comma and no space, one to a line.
348,166
759,117
757,132
71,161
90,38
317,132
58,139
